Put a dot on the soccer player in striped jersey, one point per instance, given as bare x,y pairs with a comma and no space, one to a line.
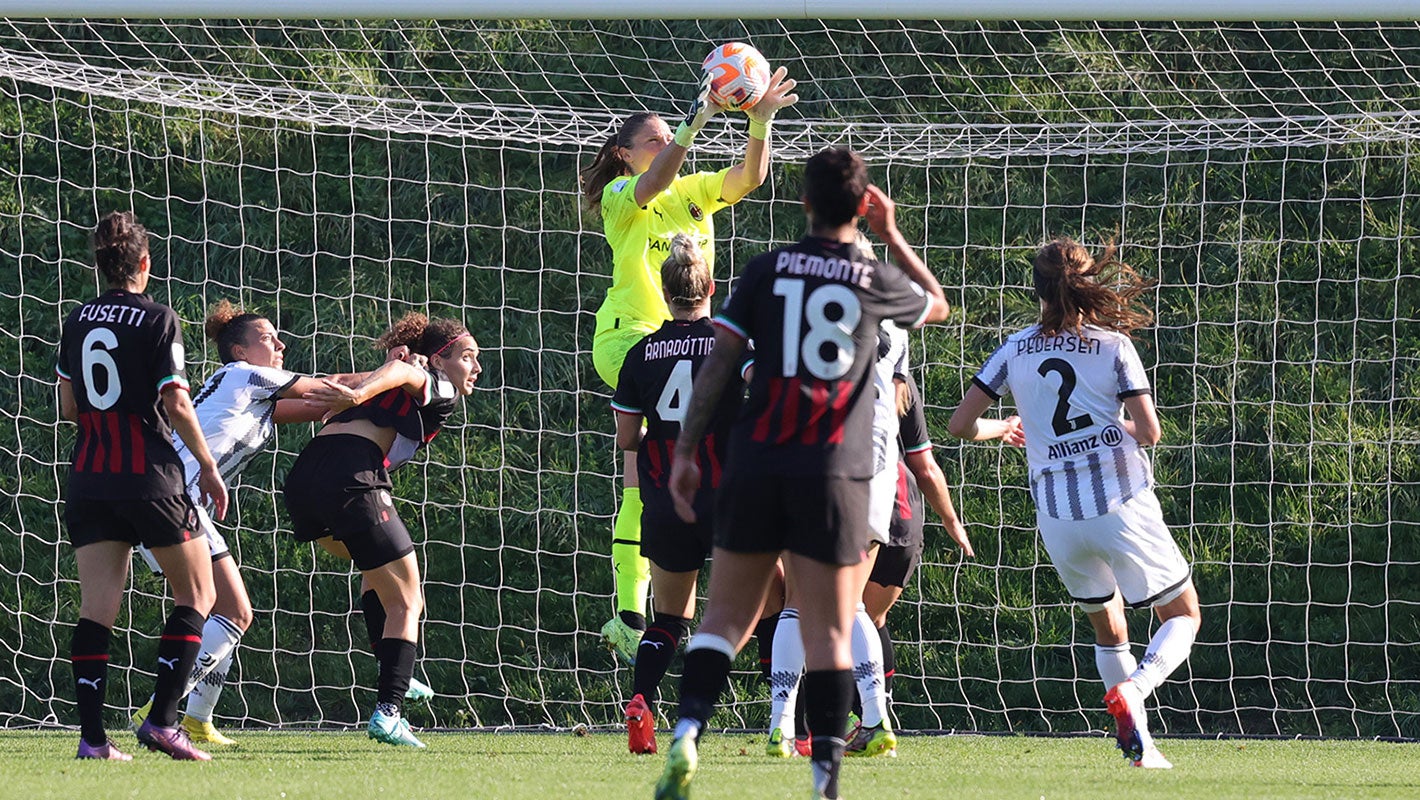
801,452
918,475
635,186
655,386
1074,375
338,491
238,408
122,378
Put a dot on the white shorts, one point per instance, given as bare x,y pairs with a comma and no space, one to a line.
1129,549
216,545
882,496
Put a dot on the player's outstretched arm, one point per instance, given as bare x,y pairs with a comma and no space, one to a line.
705,393
933,484
881,216
751,173
393,374
967,423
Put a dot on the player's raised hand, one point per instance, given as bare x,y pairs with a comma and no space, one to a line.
881,213
776,98
700,111
685,481
1014,434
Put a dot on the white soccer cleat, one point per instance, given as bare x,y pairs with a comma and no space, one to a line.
1152,759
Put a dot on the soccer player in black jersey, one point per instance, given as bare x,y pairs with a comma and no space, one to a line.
655,383
801,451
338,491
122,379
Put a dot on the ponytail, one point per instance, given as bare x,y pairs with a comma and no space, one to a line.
120,245
1076,290
685,275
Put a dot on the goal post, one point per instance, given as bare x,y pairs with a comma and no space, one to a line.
333,174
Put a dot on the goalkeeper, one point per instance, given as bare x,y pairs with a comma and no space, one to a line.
634,182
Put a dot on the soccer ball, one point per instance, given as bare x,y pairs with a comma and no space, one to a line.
739,76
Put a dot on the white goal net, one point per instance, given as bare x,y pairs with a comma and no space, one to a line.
333,175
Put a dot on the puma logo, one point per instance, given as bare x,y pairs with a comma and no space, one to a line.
92,683
653,643
170,663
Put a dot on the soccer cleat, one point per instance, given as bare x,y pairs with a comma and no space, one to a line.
392,730
621,639
1153,759
680,768
868,742
140,716
204,732
640,727
779,746
108,751
804,744
418,691
854,723
1127,707
172,741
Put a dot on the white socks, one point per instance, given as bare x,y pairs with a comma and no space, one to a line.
786,668
1115,663
868,668
1172,643
204,686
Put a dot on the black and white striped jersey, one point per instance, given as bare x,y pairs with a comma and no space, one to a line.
236,408
1069,392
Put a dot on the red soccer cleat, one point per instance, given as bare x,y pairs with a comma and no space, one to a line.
640,727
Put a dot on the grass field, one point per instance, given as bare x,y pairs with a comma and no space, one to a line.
490,766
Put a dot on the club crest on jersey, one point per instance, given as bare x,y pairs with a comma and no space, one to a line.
695,212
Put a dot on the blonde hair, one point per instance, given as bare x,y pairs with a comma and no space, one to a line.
685,273
1078,290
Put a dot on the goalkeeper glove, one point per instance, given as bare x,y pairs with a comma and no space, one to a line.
701,110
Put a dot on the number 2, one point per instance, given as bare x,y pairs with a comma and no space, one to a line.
1062,422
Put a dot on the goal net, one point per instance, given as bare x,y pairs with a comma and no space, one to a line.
333,175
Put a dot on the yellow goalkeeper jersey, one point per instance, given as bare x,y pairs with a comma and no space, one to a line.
640,238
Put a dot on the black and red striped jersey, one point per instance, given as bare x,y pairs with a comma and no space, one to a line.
813,310
655,383
912,437
119,351
416,419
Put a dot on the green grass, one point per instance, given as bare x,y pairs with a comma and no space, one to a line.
490,766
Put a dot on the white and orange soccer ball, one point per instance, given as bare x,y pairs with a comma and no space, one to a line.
739,76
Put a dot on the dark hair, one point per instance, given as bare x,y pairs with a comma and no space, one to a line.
685,275
228,326
120,244
608,165
835,181
1078,290
421,334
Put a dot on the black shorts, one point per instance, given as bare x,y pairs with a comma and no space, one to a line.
669,542
338,487
818,517
896,563
160,522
